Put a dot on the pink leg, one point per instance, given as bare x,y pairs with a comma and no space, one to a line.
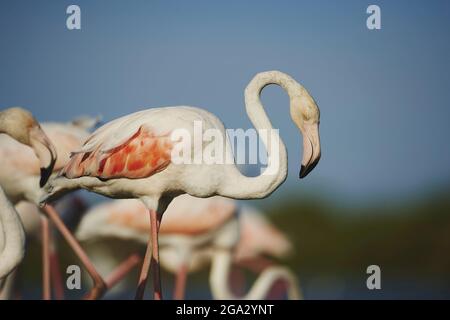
122,270
99,285
56,277
45,229
180,283
151,259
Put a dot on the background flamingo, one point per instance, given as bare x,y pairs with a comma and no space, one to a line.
186,246
190,228
23,170
130,157
19,125
258,240
65,137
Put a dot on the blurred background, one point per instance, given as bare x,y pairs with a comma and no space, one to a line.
380,194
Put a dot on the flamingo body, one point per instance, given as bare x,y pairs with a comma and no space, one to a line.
132,157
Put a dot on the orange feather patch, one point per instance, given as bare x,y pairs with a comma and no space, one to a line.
140,156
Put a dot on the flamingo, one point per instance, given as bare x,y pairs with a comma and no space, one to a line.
193,233
131,157
21,178
65,137
20,125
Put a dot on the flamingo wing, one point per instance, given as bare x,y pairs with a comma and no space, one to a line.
124,149
113,133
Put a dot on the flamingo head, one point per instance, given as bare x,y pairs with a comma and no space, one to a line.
306,115
23,127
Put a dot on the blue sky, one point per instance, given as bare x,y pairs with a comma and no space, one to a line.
384,95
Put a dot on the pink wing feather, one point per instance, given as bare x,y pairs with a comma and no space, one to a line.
140,155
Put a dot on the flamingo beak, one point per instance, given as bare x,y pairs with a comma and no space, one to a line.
311,149
45,151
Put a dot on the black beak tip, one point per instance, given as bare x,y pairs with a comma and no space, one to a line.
303,172
45,175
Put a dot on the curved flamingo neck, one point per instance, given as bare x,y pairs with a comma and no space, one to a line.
220,275
240,186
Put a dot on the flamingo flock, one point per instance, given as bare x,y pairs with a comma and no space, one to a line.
132,159
223,236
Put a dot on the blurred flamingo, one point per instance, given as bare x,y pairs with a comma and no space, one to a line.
131,157
259,241
19,127
219,235
21,177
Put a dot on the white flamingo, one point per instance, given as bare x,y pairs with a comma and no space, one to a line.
130,157
21,126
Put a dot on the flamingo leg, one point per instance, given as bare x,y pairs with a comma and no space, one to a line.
122,270
155,222
151,259
180,282
144,272
56,277
45,229
99,285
